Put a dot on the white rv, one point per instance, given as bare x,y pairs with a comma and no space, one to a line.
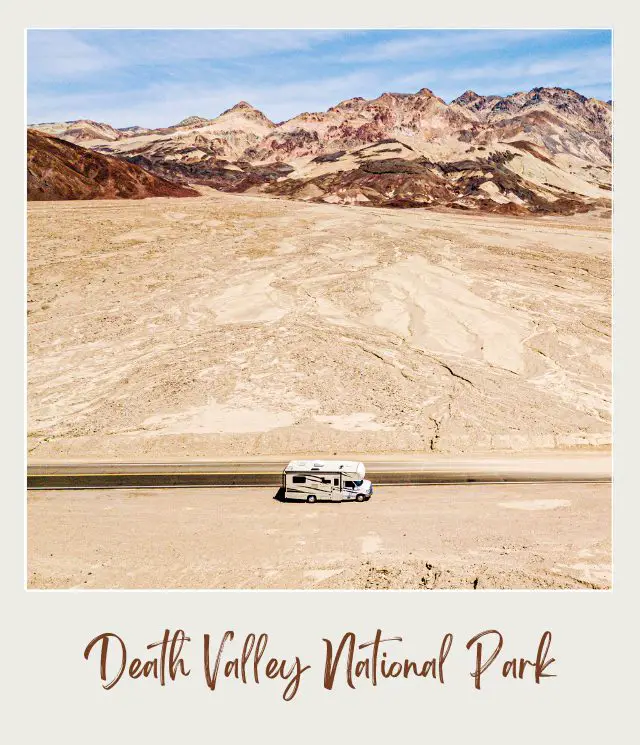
330,480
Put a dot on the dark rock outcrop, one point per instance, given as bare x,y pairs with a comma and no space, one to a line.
59,170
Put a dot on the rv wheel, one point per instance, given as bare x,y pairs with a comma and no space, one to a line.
359,497
312,498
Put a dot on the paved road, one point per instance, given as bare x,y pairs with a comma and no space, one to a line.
588,467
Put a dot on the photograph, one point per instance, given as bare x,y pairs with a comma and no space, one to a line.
318,309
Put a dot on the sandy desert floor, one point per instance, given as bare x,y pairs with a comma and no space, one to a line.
235,325
409,537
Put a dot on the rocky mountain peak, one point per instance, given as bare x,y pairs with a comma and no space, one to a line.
245,109
243,106
191,121
349,103
467,97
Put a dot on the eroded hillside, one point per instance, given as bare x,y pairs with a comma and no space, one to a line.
59,170
236,325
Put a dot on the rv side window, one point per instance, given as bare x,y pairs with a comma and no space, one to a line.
349,484
326,481
336,482
298,479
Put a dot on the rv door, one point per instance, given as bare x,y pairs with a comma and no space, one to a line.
336,492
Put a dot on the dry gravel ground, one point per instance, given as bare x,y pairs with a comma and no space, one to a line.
410,537
234,325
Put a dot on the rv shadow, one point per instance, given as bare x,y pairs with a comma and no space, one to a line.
279,495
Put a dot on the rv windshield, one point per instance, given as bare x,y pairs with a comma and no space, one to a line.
358,483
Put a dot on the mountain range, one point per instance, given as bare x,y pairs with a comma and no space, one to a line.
546,151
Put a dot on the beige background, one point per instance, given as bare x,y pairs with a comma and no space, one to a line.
52,694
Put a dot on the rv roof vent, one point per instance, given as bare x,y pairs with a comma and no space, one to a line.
317,464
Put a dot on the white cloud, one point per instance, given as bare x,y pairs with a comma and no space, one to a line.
165,104
579,70
434,44
64,55
588,66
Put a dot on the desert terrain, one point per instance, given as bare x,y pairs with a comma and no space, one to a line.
227,325
393,278
516,536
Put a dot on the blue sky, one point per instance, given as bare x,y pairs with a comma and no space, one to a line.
156,78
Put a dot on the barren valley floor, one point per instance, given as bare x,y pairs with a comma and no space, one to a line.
230,325
513,536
